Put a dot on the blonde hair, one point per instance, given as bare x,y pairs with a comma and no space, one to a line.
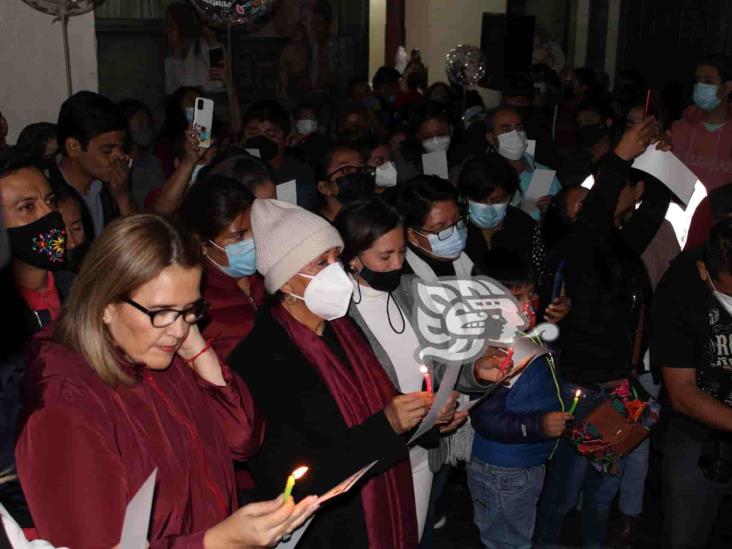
130,252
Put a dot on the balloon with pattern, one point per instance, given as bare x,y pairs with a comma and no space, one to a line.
234,12
465,65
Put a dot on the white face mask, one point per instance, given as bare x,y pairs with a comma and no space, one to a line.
436,144
512,145
386,175
329,293
306,126
196,171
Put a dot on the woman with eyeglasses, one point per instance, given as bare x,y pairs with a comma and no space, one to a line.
436,231
126,384
218,210
488,183
345,178
374,237
326,400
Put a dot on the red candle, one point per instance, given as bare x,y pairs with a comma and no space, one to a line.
427,378
505,364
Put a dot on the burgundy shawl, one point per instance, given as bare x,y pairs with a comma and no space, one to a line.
360,391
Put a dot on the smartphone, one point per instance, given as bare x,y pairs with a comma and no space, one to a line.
215,57
202,121
558,281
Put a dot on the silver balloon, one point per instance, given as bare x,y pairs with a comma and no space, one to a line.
61,8
234,12
465,65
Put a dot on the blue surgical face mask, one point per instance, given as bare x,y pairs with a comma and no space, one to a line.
705,96
486,216
448,247
242,258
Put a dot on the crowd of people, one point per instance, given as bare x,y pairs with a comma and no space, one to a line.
165,310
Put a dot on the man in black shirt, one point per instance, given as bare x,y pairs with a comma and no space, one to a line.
692,345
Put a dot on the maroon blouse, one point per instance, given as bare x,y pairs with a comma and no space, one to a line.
231,312
85,449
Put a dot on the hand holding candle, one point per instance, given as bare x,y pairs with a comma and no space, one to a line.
296,475
577,396
427,378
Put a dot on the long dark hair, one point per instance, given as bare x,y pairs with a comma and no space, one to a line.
362,222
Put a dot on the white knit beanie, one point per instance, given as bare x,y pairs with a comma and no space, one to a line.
287,238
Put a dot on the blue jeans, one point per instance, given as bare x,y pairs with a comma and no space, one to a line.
633,480
504,503
569,474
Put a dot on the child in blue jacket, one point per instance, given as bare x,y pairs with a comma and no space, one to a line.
515,429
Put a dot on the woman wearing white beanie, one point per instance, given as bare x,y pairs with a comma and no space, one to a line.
326,400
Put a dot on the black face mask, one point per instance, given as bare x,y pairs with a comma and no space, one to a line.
41,244
75,257
267,148
355,185
591,135
383,282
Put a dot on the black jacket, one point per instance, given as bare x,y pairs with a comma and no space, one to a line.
605,276
305,426
109,204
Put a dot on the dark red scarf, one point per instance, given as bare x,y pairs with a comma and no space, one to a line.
361,391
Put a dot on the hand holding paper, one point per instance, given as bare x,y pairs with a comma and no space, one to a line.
299,525
261,524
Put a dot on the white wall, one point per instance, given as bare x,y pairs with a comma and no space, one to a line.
32,63
377,34
437,26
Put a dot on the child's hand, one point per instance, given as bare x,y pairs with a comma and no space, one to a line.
555,423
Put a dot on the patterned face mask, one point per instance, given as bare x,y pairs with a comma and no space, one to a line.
41,244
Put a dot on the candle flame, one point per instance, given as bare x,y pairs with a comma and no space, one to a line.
424,369
577,393
300,472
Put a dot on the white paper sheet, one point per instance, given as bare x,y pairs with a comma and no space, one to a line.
346,485
254,152
540,185
435,163
447,384
531,148
669,170
287,191
137,516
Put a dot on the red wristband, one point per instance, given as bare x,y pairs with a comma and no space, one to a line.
206,347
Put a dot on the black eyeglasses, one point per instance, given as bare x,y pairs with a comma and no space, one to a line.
165,317
444,234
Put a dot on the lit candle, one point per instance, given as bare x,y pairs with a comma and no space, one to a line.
296,475
577,395
427,378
